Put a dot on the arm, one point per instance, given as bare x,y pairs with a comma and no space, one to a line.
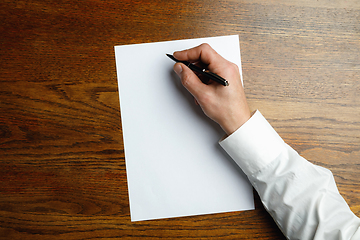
301,197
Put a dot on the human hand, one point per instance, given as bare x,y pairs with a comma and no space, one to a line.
226,105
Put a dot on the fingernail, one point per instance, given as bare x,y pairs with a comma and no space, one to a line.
175,53
178,69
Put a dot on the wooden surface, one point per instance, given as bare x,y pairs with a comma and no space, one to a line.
62,167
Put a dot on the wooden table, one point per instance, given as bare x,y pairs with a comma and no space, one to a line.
62,167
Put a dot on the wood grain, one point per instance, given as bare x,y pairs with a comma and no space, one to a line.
62,167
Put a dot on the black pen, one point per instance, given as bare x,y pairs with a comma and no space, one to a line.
202,71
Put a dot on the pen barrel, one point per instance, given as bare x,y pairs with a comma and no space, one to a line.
209,75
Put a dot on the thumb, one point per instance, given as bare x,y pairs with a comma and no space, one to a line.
189,80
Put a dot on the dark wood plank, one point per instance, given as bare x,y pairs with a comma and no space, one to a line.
62,167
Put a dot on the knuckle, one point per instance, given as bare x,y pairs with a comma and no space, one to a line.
185,80
205,45
232,67
235,67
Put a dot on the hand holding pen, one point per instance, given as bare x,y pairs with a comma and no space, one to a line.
225,105
202,72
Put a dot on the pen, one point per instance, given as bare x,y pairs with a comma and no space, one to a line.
202,71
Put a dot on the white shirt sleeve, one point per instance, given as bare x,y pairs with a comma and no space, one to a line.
301,197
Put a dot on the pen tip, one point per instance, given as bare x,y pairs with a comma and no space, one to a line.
226,83
172,57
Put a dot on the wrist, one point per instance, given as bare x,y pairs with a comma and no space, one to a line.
234,123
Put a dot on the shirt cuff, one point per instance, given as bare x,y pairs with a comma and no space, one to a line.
254,145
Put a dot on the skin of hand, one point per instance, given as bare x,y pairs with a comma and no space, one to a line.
226,105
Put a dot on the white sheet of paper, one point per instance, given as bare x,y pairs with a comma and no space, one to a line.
175,166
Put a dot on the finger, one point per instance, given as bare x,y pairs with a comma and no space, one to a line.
189,80
204,53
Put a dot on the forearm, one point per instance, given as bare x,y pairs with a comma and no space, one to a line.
301,197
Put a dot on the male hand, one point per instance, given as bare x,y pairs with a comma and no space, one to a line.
226,105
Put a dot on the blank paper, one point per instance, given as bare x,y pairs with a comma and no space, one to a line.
175,166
